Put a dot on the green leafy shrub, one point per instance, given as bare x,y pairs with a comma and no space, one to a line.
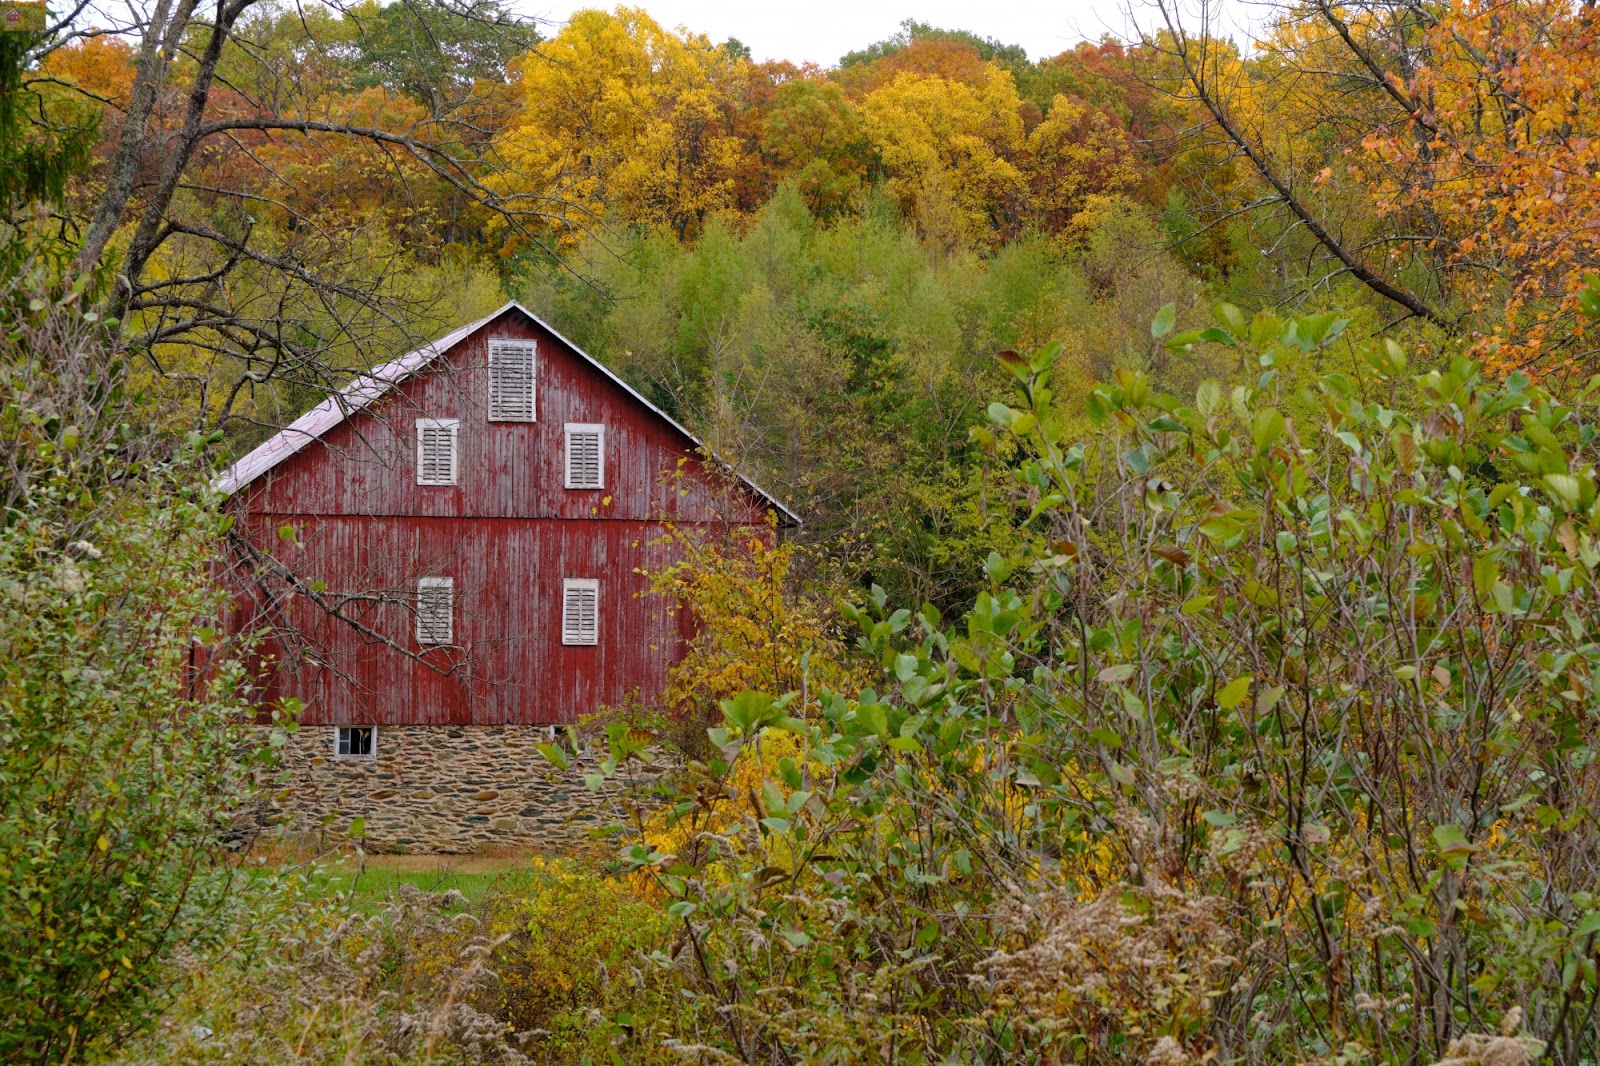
120,763
1277,742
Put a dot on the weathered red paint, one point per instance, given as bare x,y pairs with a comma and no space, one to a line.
508,534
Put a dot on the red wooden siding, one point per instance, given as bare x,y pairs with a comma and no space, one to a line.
508,534
367,465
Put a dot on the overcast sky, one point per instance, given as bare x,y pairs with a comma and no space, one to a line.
823,30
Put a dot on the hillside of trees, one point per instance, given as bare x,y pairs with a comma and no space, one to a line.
1188,656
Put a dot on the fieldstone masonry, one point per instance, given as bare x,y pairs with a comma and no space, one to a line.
444,789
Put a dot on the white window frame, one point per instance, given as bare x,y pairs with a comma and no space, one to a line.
338,738
426,635
454,426
598,430
496,347
567,635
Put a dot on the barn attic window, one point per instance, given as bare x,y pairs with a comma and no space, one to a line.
356,742
511,372
585,456
436,606
436,451
580,611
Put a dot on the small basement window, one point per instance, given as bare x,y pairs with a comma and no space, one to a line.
436,451
511,381
436,608
356,742
580,611
586,456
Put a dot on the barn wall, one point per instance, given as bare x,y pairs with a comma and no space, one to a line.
432,790
507,663
364,532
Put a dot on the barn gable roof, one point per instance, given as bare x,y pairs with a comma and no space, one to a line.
377,382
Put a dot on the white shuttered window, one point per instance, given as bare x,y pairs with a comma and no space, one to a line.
436,451
580,611
586,449
511,372
436,609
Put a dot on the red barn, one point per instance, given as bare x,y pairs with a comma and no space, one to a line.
448,553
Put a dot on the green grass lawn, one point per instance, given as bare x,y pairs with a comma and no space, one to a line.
373,880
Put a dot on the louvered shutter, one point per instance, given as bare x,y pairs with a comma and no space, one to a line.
436,451
585,456
511,374
436,608
580,611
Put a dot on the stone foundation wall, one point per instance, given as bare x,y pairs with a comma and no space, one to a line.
446,789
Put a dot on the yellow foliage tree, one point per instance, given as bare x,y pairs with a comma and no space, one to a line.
1072,155
950,142
754,629
618,113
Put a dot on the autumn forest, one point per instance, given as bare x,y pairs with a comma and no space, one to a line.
1188,654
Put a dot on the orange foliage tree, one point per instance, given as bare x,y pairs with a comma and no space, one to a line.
1446,157
1499,157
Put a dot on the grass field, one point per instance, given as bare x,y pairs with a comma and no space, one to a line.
371,878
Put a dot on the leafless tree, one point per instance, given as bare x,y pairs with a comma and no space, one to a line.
1326,63
221,276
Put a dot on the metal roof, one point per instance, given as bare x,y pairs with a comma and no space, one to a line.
375,383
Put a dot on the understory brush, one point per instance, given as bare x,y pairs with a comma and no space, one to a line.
545,968
1277,741
121,762
311,979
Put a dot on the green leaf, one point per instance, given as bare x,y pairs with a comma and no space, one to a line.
1232,317
1221,528
1589,296
1115,675
1485,572
556,755
1563,488
875,717
1220,818
1233,693
1165,319
1266,427
1453,841
1106,737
